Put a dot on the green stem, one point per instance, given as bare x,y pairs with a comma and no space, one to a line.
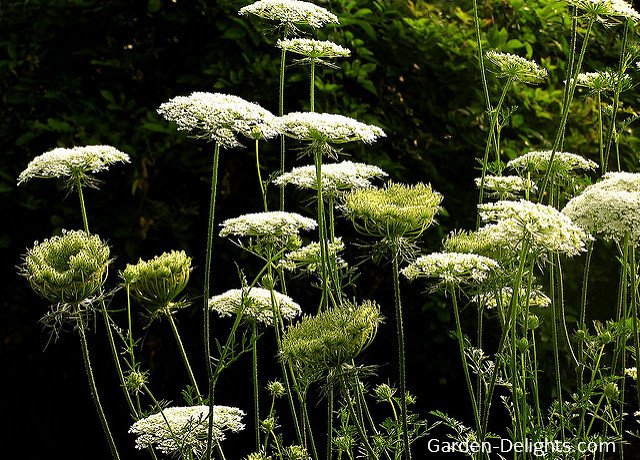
280,113
492,135
583,311
256,407
116,360
82,208
634,308
570,87
616,97
603,166
132,355
92,386
330,422
401,359
205,310
317,155
463,356
554,338
262,190
183,353
359,427
312,86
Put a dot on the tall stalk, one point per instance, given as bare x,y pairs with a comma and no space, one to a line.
205,309
92,385
317,156
401,360
263,192
183,353
83,210
570,88
254,377
281,113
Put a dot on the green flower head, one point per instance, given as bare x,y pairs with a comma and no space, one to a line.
511,66
333,337
68,268
157,282
394,211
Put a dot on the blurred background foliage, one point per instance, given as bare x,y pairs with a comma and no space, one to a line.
80,72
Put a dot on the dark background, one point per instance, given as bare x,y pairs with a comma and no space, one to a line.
80,72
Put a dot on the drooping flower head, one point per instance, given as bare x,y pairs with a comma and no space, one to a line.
291,12
505,187
68,268
609,208
451,268
77,163
603,9
563,162
520,69
308,259
157,282
335,177
491,299
255,304
313,50
543,227
603,81
328,128
220,118
185,429
332,338
268,230
396,210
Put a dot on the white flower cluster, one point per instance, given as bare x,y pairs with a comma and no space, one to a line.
507,186
601,81
314,49
543,227
309,258
538,160
632,372
537,298
609,208
76,161
273,223
291,12
601,8
255,303
220,117
328,127
512,66
178,429
334,176
451,267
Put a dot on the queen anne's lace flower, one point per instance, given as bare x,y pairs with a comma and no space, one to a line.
220,117
538,160
67,268
537,298
313,49
291,12
185,428
157,282
609,208
334,337
603,81
632,372
512,66
308,258
328,127
76,162
604,8
255,304
507,186
393,211
451,267
276,223
543,227
334,177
